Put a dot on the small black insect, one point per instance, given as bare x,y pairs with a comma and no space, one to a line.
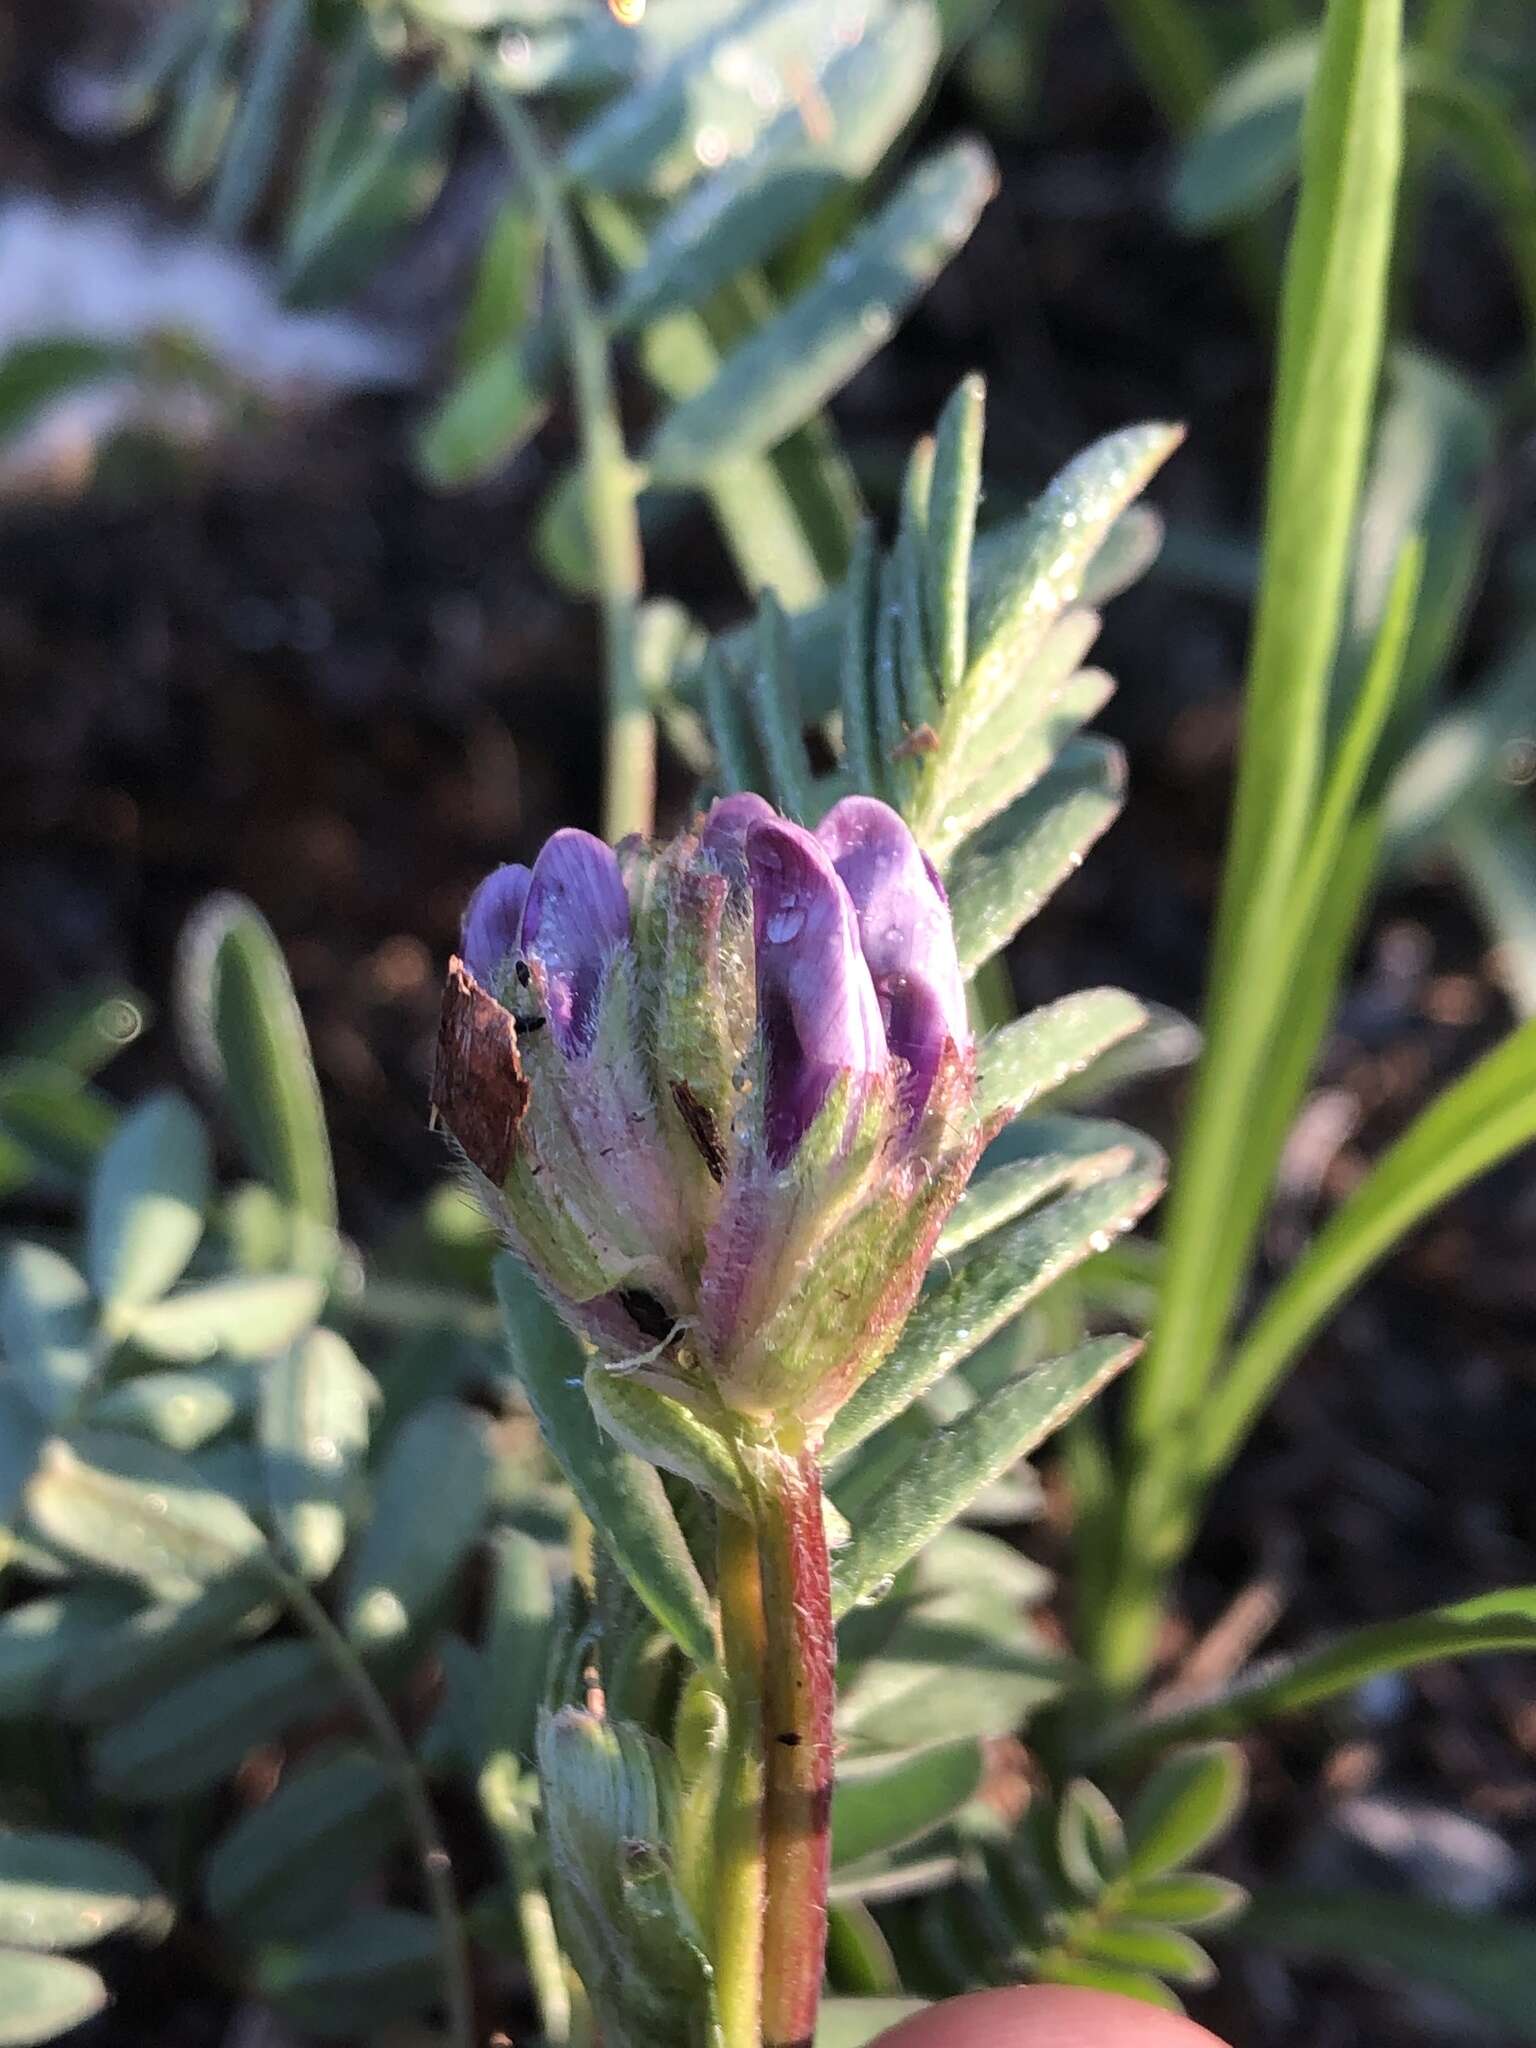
652,1317
526,1026
791,1740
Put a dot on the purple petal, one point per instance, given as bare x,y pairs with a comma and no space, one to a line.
730,818
493,922
815,1001
905,932
575,919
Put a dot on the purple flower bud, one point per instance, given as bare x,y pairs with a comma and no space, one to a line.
817,1011
575,919
493,922
730,819
906,936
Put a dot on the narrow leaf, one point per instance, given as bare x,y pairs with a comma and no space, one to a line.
881,1803
42,1997
125,1506
196,1735
623,1498
243,1020
246,1316
65,1891
986,1287
1026,1059
256,134
1186,1804
407,1559
147,1200
957,1463
775,380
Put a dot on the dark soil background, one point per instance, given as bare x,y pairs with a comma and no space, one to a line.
293,671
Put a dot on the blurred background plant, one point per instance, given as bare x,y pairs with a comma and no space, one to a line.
255,1698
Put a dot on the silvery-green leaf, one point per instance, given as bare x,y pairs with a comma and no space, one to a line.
312,1427
256,133
986,1287
786,370
623,1498
127,1506
482,421
247,1316
1185,1899
955,1464
1003,877
428,1505
148,1195
1021,1061
289,1867
520,1629
122,1667
1184,1806
737,215
65,1891
182,1410
375,1968
47,1328
243,1022
196,1734
882,1802
38,1637
1048,1154
42,1997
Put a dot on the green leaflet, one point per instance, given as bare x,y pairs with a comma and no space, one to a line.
1021,1061
623,1498
244,1023
194,1735
129,1507
882,1803
438,1460
65,1891
375,1967
313,1427
44,1996
987,1287
148,1195
786,370
953,1466
288,1868
1004,876
47,1326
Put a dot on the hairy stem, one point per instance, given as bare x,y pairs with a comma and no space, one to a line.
798,1694
612,487
774,1831
436,1869
739,1871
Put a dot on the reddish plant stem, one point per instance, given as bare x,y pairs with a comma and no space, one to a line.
798,1699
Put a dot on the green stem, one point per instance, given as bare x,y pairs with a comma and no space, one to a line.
612,485
509,1816
436,1868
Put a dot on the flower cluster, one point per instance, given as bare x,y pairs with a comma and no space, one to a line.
721,1091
